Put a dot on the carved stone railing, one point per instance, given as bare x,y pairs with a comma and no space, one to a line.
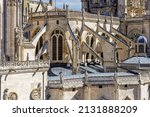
93,80
73,14
134,18
24,65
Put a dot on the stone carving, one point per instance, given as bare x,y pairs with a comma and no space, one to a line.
10,95
13,96
36,93
5,95
136,8
134,34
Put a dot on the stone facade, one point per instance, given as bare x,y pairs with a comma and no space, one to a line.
119,8
64,54
26,80
127,87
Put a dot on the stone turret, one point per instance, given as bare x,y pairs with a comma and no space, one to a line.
11,17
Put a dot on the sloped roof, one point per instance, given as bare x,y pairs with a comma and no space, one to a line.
137,60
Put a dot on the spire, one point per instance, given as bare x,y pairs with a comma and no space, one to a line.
64,6
42,5
67,10
50,2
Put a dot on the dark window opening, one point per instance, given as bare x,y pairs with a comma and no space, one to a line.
74,89
136,48
87,55
92,57
37,22
125,85
57,45
141,48
100,86
54,47
102,55
57,22
60,46
92,41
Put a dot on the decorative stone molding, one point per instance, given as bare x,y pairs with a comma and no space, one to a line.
10,95
36,93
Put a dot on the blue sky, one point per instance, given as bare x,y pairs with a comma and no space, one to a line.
73,4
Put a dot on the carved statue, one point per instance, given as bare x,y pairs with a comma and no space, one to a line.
9,96
5,95
13,96
36,93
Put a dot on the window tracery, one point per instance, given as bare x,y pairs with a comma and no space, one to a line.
57,45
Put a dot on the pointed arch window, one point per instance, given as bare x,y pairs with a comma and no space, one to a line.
141,45
57,45
54,45
60,47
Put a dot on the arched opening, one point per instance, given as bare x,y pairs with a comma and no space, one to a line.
54,45
134,34
90,42
57,45
141,45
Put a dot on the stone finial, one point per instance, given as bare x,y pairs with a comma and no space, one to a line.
98,15
27,57
115,79
61,78
16,57
48,59
64,6
67,10
4,58
50,2
86,78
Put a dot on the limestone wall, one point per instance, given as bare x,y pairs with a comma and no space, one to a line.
131,92
23,84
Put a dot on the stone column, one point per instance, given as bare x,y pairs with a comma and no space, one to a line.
11,19
87,89
87,92
55,93
7,29
74,62
0,31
